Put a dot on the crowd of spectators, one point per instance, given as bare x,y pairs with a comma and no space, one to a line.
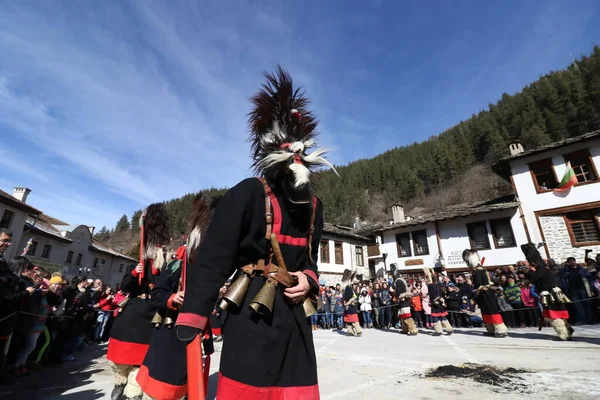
517,298
45,319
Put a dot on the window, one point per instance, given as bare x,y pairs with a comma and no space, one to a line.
121,268
7,218
403,245
339,253
79,259
583,227
95,262
69,257
47,250
32,248
478,236
325,251
582,165
420,242
543,175
360,259
502,233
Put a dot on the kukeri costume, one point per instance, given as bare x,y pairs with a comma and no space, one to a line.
404,298
163,375
350,301
554,301
485,295
265,229
132,328
438,307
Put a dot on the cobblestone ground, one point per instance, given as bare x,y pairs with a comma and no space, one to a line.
388,365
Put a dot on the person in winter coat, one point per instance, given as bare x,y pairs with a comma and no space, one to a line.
385,313
424,293
105,306
376,303
365,307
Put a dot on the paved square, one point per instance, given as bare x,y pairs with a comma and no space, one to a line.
388,365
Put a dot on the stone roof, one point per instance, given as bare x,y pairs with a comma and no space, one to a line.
46,229
502,166
343,231
453,212
104,248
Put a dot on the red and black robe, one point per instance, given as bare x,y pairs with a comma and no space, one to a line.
486,299
163,375
132,328
544,281
262,357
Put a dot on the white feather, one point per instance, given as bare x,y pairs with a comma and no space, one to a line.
301,173
159,261
194,240
309,143
274,158
315,158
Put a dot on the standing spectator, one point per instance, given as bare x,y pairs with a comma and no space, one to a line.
104,307
575,281
339,309
365,307
385,316
426,306
529,302
505,309
513,296
376,303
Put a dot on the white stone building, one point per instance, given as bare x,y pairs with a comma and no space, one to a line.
341,249
567,223
438,239
58,246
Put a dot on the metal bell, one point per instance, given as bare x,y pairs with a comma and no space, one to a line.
156,320
168,322
308,307
264,299
123,303
236,293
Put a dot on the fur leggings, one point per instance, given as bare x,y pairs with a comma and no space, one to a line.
125,376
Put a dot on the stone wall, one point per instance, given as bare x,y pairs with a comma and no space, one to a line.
559,242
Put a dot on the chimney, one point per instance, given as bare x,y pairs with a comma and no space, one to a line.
357,223
516,147
91,228
21,193
398,213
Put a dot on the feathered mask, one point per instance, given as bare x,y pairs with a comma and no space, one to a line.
532,255
282,130
471,258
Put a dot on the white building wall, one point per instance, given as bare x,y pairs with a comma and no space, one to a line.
454,240
16,227
58,253
389,246
331,272
531,201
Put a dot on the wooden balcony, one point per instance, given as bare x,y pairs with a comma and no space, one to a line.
373,250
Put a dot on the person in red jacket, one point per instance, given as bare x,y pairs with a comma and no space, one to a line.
104,307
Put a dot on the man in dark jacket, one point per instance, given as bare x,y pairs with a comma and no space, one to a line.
575,280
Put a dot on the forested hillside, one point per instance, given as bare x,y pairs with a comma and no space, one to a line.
560,104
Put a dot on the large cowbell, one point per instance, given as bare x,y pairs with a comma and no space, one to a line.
264,299
236,293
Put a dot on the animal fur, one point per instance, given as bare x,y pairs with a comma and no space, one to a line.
471,258
155,222
347,277
282,128
532,255
203,208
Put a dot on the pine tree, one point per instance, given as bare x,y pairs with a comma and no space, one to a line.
103,234
135,221
122,224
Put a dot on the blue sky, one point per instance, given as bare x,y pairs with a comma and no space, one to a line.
108,106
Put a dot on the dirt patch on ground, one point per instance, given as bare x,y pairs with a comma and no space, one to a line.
506,378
